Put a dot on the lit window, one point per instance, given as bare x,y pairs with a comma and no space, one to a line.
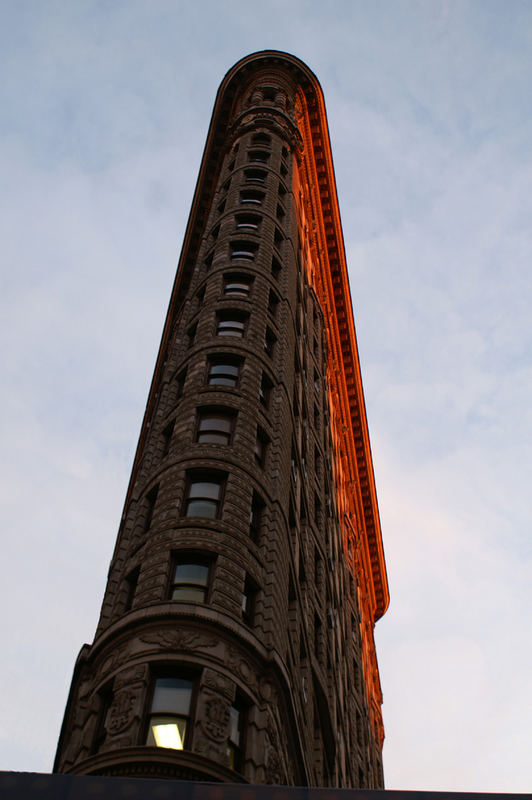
215,426
223,372
204,495
190,581
237,285
231,324
170,710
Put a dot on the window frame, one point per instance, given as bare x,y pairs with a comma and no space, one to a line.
265,390
252,197
250,592
255,175
236,749
247,221
260,449
256,155
185,559
223,361
236,280
177,675
232,323
223,432
205,477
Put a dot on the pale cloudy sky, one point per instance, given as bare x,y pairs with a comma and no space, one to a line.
104,108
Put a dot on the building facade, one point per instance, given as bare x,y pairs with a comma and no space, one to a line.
235,641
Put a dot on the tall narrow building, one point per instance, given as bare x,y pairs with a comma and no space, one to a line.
235,641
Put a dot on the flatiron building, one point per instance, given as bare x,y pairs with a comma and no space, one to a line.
235,641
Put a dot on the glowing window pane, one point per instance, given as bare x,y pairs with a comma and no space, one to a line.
167,732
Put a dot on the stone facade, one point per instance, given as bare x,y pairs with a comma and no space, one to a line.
248,570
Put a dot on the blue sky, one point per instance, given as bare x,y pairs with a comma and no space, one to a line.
104,108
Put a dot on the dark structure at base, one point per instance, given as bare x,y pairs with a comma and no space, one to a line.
35,786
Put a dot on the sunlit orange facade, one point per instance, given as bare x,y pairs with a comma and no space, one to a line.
235,641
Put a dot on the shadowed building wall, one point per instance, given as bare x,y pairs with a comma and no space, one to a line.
235,641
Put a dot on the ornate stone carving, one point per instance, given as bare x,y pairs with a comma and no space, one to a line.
276,757
129,676
180,640
242,668
122,712
218,683
117,657
215,724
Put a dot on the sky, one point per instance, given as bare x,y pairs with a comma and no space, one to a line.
104,109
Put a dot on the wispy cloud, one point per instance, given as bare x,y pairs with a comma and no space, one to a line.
103,116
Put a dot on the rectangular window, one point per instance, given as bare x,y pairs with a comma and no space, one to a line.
204,495
170,713
237,285
266,387
276,268
191,334
261,446
215,426
269,342
262,156
231,323
249,596
223,371
251,197
255,176
190,580
248,222
243,251
235,744
273,303
180,384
